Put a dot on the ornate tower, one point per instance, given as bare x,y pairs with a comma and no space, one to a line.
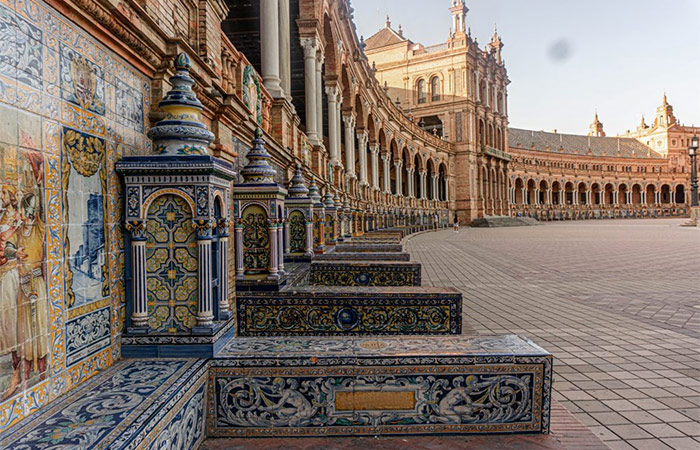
177,203
496,44
664,114
596,128
459,16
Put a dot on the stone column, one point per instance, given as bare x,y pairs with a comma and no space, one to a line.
362,138
238,233
349,122
280,245
139,304
274,254
478,86
435,187
374,149
447,191
410,171
422,176
310,47
285,49
205,310
333,131
397,167
387,178
338,124
523,195
319,95
224,310
270,46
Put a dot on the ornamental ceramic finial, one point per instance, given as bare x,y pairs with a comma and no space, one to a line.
181,132
328,199
258,170
297,188
314,194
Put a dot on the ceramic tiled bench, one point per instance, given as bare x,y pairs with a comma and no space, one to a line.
365,273
350,311
369,386
143,404
368,248
359,256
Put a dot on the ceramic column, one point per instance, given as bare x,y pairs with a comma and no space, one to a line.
238,235
270,46
139,312
280,246
332,93
224,310
350,146
274,253
205,310
310,47
309,250
285,229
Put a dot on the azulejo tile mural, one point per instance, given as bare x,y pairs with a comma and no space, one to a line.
69,108
354,386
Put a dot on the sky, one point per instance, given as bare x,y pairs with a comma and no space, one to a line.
568,58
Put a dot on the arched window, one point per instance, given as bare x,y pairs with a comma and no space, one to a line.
421,91
435,89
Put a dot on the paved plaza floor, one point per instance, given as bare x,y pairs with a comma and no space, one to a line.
616,302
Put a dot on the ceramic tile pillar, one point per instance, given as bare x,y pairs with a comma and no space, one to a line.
185,187
319,216
299,217
257,203
222,266
139,312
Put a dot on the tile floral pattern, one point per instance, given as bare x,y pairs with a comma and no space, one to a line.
133,403
69,109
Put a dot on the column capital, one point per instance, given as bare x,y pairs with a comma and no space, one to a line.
349,120
310,46
137,228
332,92
362,136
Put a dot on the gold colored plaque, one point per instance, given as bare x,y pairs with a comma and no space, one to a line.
375,401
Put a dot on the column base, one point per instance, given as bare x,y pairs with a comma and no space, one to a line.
203,329
225,315
137,330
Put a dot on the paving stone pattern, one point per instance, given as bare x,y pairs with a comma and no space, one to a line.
617,303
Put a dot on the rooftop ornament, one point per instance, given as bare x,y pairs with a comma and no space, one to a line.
258,170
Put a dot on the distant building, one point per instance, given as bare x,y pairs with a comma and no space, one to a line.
457,91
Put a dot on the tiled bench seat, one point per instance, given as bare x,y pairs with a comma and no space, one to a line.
350,311
379,386
150,404
359,256
365,273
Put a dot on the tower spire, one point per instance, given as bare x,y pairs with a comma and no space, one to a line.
459,15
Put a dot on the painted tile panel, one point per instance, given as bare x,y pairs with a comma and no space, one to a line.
60,260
